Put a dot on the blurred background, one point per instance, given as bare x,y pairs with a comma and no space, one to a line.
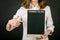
9,7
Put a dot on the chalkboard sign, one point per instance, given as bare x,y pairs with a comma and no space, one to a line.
35,22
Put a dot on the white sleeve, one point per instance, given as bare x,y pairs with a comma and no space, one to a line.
19,13
17,16
50,25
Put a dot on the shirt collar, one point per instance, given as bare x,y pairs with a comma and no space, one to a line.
31,6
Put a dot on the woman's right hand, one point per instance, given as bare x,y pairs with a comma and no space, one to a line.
13,23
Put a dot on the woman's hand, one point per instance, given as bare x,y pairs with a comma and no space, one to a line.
13,22
45,35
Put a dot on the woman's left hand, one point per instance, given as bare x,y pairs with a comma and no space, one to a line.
45,35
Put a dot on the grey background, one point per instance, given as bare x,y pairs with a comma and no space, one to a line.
9,7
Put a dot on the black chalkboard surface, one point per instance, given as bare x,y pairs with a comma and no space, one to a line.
35,22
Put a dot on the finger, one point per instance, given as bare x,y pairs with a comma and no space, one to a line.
17,25
8,27
39,37
42,37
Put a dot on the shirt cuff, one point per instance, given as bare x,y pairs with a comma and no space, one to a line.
52,30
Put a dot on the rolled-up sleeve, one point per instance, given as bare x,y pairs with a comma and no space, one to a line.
19,13
50,25
17,16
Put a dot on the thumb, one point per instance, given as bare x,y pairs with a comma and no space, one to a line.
19,20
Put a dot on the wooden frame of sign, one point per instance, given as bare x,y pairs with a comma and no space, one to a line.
35,23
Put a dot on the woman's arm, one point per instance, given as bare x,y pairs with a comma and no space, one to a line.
50,26
15,22
12,24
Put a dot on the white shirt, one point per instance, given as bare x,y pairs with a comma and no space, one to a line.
22,13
